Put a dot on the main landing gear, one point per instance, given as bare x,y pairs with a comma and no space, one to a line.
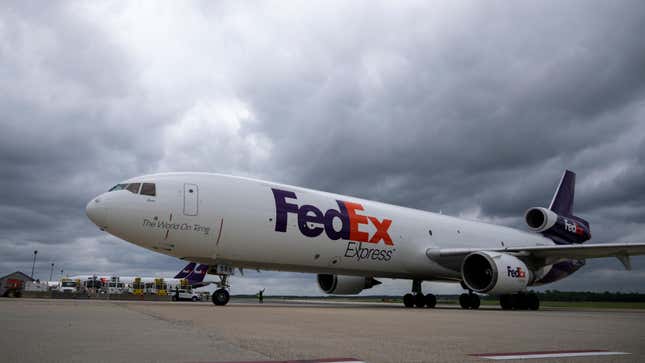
221,295
519,301
469,301
417,299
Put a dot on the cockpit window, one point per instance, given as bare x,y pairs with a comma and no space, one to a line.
134,187
137,188
149,189
117,187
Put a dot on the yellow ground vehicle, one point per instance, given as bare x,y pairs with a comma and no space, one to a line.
137,286
161,288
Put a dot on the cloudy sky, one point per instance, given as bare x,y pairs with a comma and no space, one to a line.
469,108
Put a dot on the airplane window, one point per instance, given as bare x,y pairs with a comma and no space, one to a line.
148,189
134,187
117,187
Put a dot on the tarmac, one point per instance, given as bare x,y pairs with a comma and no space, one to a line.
47,330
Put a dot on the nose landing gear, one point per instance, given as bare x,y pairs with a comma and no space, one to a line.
221,296
417,298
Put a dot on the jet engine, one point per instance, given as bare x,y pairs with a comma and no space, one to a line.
561,229
540,219
495,273
345,285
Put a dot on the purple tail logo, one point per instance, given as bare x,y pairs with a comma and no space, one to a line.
198,274
186,271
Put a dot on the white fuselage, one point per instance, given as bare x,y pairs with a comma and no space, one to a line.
219,219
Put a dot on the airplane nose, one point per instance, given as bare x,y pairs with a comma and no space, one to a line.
97,213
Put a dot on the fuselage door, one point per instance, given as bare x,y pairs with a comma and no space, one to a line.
191,199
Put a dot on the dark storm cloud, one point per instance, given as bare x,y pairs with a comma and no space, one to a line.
476,112
472,109
63,133
488,119
66,97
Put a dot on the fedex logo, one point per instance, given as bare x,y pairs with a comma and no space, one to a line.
515,272
348,214
573,227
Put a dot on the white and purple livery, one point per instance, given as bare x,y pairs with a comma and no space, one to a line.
230,222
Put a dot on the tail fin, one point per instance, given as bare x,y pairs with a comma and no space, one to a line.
559,223
198,274
562,202
186,271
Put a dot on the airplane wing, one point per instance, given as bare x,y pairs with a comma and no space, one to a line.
622,251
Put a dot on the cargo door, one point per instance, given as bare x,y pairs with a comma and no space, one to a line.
191,199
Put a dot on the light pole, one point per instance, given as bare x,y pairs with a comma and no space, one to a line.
51,273
34,264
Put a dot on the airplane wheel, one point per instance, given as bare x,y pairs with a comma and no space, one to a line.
408,300
464,301
221,297
419,300
532,301
474,301
506,302
431,300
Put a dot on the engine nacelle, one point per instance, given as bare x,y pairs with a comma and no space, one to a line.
561,229
345,285
495,273
540,219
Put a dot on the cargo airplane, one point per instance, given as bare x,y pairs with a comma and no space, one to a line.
232,222
193,276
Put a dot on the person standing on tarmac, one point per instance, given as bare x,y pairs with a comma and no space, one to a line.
261,296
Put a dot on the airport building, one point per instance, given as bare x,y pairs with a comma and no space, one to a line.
13,284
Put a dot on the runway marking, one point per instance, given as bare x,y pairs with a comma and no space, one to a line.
324,360
547,354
